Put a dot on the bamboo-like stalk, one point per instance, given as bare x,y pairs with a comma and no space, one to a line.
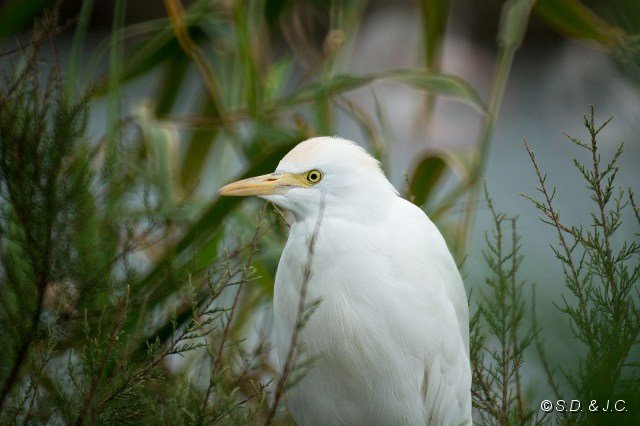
116,55
513,25
77,47
206,71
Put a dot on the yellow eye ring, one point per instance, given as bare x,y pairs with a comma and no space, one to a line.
314,176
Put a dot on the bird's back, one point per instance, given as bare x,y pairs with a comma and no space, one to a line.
391,332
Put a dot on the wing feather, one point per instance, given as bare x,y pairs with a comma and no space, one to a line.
436,304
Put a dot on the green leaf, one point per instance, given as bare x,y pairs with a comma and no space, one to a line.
514,18
174,75
162,46
461,162
162,142
435,15
337,85
434,83
199,247
426,176
573,18
203,231
277,78
78,46
437,84
199,146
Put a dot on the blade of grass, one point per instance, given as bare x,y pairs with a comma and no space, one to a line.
574,19
199,145
436,83
365,123
116,56
175,73
253,86
434,25
382,116
162,47
77,47
206,71
434,17
198,248
513,25
426,176
213,217
440,84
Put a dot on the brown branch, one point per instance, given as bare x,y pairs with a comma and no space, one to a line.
23,350
540,349
36,387
552,214
103,362
606,230
488,401
514,307
169,350
42,269
225,334
40,257
634,207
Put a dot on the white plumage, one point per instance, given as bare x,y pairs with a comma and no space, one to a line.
391,333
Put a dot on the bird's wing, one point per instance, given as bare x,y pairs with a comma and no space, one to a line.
435,304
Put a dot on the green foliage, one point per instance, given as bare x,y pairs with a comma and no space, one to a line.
126,296
602,272
435,17
577,20
80,332
601,299
428,174
47,210
500,332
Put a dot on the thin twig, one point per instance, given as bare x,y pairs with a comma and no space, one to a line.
552,214
299,323
113,338
597,188
217,361
514,319
634,207
540,349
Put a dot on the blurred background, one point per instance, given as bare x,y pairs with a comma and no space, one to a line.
183,96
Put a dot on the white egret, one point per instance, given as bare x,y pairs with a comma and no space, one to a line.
391,334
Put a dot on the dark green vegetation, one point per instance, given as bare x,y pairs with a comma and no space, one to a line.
601,274
125,296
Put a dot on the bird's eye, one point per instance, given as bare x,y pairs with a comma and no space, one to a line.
314,176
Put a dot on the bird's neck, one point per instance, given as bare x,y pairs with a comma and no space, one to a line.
357,209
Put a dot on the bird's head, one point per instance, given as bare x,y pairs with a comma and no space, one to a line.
334,169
